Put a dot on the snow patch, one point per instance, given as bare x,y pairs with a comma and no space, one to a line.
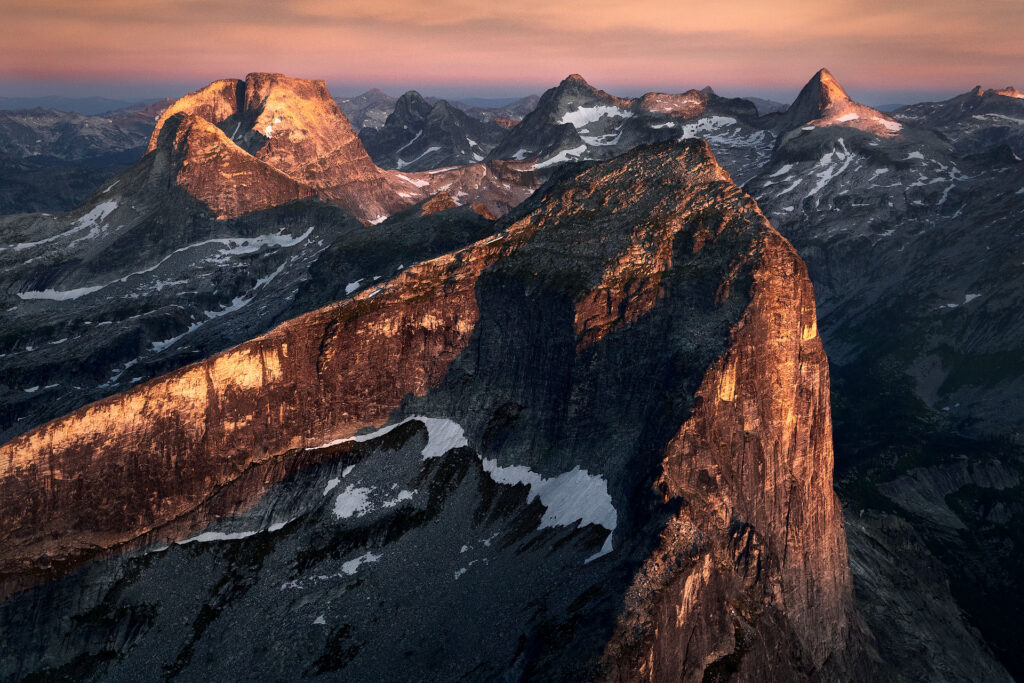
60,295
214,536
573,154
402,164
575,496
402,496
352,566
586,115
417,183
705,125
352,502
572,497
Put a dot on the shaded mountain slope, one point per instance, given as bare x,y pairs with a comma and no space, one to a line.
621,392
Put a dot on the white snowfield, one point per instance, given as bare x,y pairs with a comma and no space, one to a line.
586,115
708,124
573,497
573,154
60,295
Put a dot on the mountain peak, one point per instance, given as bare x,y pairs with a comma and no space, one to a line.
412,96
825,91
293,126
824,102
1010,91
574,79
411,107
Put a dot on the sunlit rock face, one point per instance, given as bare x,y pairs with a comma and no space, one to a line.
293,126
214,170
602,432
823,102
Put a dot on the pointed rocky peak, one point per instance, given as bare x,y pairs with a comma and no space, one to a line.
574,80
708,90
410,107
977,91
824,102
575,89
821,94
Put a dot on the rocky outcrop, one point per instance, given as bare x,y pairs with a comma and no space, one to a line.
824,102
216,172
419,136
628,404
294,127
496,185
760,527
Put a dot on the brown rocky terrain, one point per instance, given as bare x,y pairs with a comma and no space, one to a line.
639,328
823,102
295,129
216,172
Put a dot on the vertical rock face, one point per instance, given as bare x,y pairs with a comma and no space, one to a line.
601,437
760,527
216,172
275,126
294,127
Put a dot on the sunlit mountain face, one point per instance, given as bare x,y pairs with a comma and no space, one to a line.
366,344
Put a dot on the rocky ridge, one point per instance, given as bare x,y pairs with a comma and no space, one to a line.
420,136
511,346
575,121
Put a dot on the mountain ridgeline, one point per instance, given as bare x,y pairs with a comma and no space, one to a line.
523,392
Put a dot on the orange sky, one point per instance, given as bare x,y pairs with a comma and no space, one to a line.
520,46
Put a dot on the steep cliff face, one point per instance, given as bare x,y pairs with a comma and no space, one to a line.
602,433
294,127
275,126
112,471
223,177
760,528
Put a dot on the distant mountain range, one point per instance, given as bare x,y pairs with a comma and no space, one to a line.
298,370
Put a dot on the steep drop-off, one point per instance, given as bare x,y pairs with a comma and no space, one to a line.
602,434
